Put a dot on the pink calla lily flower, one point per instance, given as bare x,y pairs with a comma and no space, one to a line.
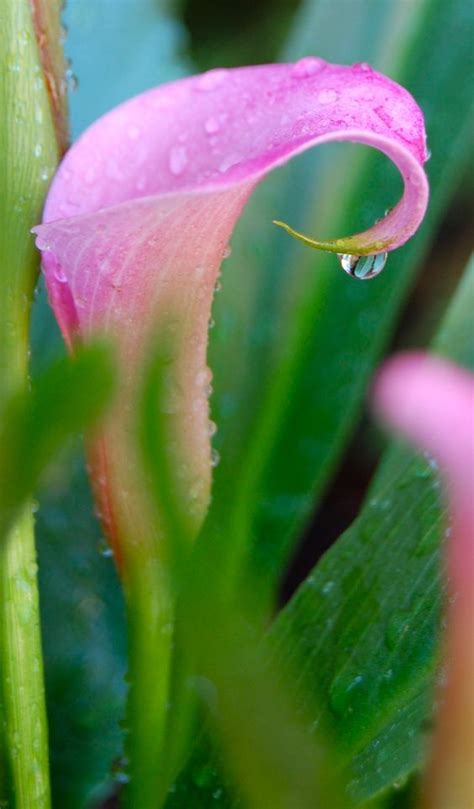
431,402
142,208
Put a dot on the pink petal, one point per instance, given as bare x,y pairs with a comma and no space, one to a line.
431,402
144,204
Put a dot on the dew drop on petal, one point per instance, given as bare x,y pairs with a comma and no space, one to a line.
215,458
307,66
211,79
134,132
227,252
363,267
212,125
178,160
327,96
364,66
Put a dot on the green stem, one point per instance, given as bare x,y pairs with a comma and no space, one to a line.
31,96
22,687
150,631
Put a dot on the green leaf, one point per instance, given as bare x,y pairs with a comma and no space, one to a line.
84,637
296,341
66,399
359,640
362,631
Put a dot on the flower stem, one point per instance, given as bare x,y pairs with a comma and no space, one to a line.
22,690
150,649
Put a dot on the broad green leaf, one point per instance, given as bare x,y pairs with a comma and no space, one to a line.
360,637
296,341
362,631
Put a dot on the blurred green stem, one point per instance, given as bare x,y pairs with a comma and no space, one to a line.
150,631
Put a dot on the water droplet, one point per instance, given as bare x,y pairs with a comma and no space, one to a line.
212,428
217,286
397,628
59,274
363,267
215,458
212,125
328,96
328,587
217,794
38,150
344,691
227,252
104,549
307,66
364,66
211,79
134,132
229,162
178,160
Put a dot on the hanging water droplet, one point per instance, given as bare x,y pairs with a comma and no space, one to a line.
215,458
227,252
307,66
363,267
212,428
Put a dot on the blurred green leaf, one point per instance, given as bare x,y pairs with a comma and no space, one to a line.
66,399
296,341
268,750
84,642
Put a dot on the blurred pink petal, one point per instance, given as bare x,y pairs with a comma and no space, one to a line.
431,402
143,205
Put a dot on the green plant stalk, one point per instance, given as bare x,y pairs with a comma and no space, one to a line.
150,633
28,155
